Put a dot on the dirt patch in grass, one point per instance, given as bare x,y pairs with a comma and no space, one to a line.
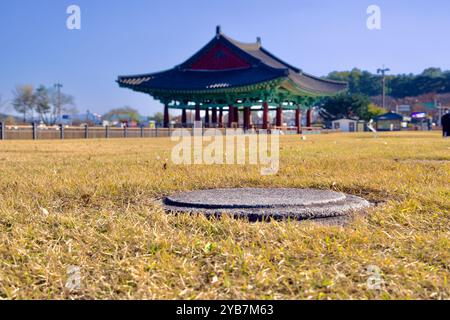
424,161
374,196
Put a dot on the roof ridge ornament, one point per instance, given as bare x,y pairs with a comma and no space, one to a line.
218,31
259,41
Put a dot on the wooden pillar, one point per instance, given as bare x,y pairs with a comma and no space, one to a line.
298,119
247,118
207,117
166,116
214,117
221,118
279,121
265,116
236,115
184,118
197,113
309,118
231,115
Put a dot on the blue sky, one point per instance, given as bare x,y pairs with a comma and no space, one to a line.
139,36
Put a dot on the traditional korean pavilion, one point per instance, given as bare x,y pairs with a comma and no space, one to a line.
227,76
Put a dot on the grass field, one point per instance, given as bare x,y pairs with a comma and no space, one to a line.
95,204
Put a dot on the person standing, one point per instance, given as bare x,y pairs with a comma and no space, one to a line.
445,122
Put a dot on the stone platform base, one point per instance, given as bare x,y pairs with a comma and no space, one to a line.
257,204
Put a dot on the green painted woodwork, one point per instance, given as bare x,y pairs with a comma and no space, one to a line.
278,92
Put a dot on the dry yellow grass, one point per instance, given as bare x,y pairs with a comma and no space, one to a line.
95,204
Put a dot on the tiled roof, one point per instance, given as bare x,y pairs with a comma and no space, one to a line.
188,80
389,116
253,65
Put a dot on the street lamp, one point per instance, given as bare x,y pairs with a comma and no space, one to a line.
383,71
58,87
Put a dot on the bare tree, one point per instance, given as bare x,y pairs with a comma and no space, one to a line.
43,107
2,103
1,106
51,104
61,103
24,100
4,110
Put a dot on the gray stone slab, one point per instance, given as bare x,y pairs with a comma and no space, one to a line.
258,204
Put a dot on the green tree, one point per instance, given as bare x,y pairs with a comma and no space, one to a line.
431,80
346,105
446,76
132,113
432,72
402,86
369,84
339,75
374,111
158,117
354,81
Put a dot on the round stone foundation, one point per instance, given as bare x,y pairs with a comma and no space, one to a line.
257,204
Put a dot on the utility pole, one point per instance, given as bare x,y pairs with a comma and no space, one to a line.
383,71
58,87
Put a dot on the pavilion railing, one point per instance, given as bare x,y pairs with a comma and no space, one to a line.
36,132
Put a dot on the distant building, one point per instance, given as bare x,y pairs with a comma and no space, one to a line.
389,122
348,125
404,109
76,119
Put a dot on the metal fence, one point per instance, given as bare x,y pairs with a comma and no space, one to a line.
60,132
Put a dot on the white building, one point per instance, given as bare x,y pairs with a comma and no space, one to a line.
348,125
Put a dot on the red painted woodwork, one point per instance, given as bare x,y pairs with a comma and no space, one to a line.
236,115
197,114
207,118
184,117
247,113
309,118
166,116
279,120
230,116
265,116
214,115
298,120
220,118
219,57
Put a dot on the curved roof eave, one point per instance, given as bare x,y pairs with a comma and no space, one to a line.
235,89
301,90
264,67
